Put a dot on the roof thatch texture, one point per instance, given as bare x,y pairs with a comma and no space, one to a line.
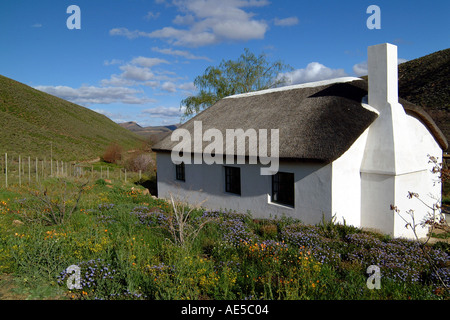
316,123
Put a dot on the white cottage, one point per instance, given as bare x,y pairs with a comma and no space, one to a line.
346,148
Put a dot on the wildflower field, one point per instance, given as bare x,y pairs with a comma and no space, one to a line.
129,245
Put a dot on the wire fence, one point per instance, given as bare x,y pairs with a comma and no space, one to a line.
21,170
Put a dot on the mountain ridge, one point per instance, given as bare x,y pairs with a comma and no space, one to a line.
153,133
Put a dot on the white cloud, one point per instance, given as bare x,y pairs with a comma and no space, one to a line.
188,86
37,25
127,33
87,95
152,15
180,53
151,84
136,71
132,72
188,19
117,81
314,71
164,112
148,62
112,62
291,21
207,22
360,69
169,86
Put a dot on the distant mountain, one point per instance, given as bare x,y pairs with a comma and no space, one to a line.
426,82
131,125
34,123
153,133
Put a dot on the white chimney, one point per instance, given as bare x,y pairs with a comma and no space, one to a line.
394,160
388,149
383,75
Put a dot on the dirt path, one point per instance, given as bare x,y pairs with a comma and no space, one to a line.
90,161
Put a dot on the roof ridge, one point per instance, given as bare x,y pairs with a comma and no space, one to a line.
295,86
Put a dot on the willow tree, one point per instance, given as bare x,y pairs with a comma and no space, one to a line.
248,73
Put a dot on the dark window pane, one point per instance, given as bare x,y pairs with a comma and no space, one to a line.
283,188
179,168
233,180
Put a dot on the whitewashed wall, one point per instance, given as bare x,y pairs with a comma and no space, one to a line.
423,182
346,184
380,190
207,182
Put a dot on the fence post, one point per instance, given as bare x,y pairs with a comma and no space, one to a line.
29,171
20,179
6,170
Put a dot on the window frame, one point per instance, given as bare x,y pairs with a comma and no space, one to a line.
283,184
180,172
231,175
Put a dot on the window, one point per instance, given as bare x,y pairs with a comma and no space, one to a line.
179,169
233,180
283,188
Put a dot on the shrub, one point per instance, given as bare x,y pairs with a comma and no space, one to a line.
113,153
268,231
140,162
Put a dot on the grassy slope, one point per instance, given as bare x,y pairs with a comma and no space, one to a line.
425,81
30,120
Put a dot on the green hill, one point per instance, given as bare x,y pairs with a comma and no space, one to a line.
33,122
426,82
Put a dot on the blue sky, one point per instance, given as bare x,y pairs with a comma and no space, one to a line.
135,60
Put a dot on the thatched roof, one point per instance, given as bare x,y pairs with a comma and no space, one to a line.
316,122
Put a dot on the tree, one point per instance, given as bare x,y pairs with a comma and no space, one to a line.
248,73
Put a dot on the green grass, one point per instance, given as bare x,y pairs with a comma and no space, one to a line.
121,240
31,120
